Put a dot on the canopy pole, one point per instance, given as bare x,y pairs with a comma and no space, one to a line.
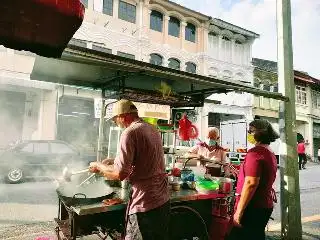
290,192
101,127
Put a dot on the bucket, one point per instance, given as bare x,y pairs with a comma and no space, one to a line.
219,228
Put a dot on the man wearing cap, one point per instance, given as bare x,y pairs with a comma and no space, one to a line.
140,160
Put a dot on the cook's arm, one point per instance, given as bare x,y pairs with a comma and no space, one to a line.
192,155
123,161
107,171
193,152
111,174
224,161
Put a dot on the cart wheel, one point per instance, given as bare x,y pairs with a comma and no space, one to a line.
187,224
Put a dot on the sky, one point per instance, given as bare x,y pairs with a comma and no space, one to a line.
260,16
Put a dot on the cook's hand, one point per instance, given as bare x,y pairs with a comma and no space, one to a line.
202,163
237,219
95,167
108,161
202,144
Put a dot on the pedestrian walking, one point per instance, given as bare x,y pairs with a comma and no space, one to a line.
301,149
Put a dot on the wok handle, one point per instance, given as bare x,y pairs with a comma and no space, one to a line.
79,194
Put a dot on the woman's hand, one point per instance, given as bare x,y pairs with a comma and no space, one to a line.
237,219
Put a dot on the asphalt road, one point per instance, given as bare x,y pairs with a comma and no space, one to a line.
309,192
30,206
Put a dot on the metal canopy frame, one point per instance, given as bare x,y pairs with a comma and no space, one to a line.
121,77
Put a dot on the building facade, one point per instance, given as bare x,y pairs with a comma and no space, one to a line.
157,31
307,97
228,55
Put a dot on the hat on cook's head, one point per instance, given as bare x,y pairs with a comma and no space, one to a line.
122,107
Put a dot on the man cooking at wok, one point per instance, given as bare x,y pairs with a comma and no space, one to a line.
140,160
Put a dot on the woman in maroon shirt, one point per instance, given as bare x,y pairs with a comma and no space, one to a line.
254,203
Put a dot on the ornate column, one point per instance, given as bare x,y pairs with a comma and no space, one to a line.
115,9
310,146
165,29
165,62
199,33
248,47
90,4
98,5
140,17
145,19
233,52
47,116
205,38
182,33
220,52
182,65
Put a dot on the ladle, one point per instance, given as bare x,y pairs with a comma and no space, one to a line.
67,174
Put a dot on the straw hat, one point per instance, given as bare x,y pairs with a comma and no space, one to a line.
122,107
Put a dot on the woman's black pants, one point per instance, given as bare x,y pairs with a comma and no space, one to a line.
254,222
302,160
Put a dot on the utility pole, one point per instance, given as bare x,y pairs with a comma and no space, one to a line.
290,191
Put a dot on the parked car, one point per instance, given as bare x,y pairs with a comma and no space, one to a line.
43,158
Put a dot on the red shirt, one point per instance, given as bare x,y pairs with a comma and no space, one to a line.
301,148
259,162
141,161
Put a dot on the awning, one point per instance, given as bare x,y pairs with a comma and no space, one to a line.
135,80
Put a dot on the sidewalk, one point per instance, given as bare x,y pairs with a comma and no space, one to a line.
310,231
305,182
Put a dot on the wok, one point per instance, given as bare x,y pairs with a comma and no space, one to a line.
94,191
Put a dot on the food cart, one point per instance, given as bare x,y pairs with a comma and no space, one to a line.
118,77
